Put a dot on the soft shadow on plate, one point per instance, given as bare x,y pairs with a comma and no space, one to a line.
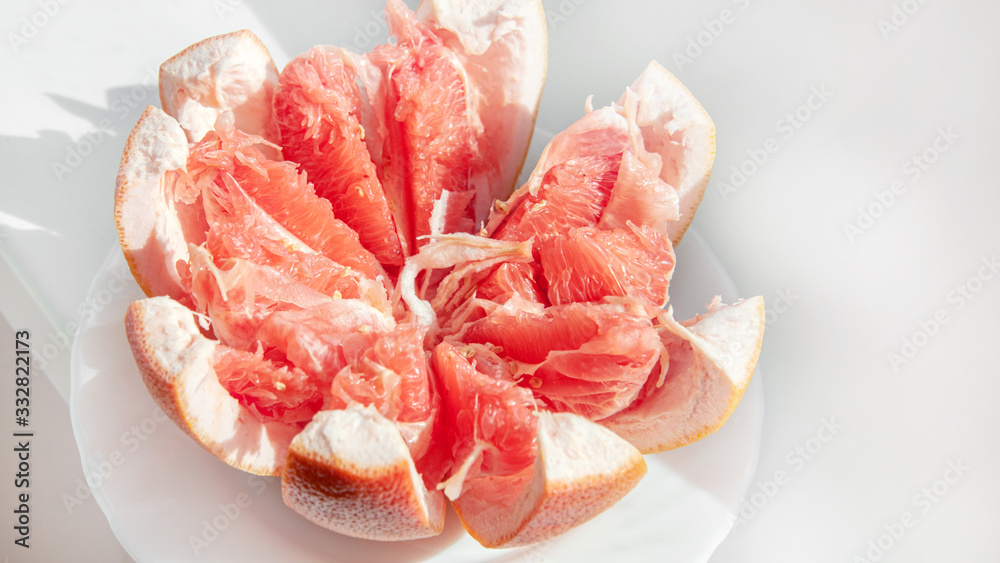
168,499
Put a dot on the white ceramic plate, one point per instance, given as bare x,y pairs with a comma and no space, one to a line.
167,499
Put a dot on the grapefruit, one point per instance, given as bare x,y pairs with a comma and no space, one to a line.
320,109
346,290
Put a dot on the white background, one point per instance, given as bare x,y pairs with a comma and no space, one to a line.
842,302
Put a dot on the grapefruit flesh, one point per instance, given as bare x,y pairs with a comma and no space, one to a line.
274,390
572,194
511,279
489,419
228,161
176,362
588,264
586,359
391,374
323,339
395,155
432,108
318,106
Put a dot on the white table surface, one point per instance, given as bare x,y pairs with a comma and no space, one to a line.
881,355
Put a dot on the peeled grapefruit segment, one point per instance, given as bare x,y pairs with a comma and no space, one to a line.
489,420
662,143
238,179
421,135
322,115
588,359
391,374
502,46
641,198
710,361
510,279
150,229
350,471
177,364
571,194
588,264
440,128
325,338
240,295
272,389
581,470
231,72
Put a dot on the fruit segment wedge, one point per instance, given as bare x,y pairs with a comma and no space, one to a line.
350,471
227,72
502,45
176,363
645,160
581,470
419,136
710,361
324,109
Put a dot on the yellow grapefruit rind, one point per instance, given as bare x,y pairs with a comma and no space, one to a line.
232,72
662,94
494,40
175,362
726,343
581,470
149,231
350,471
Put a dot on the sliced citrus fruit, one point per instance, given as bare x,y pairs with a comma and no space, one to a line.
390,374
511,279
271,388
657,146
326,338
420,136
710,361
581,469
489,419
231,72
589,264
438,122
239,295
370,349
321,113
588,359
502,46
571,194
177,364
236,178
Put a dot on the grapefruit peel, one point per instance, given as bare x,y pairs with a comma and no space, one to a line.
149,231
350,471
231,72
